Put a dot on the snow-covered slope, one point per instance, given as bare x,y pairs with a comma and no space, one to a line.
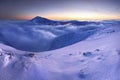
95,58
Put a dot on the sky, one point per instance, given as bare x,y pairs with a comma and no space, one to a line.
60,9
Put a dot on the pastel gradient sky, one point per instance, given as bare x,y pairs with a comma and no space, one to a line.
60,9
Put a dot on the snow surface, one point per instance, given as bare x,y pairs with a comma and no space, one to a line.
84,52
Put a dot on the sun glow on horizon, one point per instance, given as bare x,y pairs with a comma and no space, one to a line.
76,16
83,16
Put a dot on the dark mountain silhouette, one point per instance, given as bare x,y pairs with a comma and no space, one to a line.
45,21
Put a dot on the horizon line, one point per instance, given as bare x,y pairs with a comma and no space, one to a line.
60,18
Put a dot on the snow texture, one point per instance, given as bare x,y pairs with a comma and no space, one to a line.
71,52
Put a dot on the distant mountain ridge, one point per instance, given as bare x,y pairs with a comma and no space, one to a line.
45,21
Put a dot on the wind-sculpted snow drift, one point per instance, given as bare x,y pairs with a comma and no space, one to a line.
76,52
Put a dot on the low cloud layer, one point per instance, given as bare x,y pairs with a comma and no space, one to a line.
26,36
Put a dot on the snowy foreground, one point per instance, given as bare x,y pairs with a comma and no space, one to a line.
91,53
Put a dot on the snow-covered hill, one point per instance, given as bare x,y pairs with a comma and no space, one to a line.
89,52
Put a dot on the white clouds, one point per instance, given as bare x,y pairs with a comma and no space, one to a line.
25,37
29,37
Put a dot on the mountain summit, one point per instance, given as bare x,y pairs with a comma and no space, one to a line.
45,21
